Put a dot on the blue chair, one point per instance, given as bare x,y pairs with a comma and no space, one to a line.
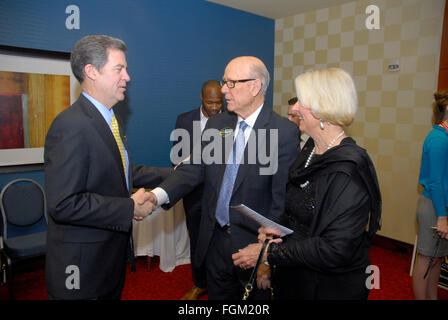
23,225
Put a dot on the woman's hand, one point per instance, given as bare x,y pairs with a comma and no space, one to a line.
442,227
267,233
247,258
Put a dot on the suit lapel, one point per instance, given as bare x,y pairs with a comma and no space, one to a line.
195,116
104,132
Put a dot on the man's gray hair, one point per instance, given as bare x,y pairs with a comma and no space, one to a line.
93,50
260,71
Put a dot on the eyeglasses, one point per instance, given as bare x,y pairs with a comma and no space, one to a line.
231,83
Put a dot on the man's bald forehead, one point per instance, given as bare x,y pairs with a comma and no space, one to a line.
247,63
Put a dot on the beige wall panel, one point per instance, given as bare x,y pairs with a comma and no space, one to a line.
394,114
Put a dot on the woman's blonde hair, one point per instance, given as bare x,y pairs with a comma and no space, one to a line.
329,93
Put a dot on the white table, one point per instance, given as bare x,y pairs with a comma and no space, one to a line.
164,234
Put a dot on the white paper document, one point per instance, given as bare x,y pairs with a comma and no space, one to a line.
261,220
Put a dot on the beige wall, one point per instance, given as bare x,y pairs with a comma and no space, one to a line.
394,112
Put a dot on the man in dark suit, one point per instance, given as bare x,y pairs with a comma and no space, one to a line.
294,117
212,101
249,130
89,178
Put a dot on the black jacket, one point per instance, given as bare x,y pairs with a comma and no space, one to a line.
347,200
192,200
90,209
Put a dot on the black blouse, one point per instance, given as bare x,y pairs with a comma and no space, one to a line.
329,218
300,204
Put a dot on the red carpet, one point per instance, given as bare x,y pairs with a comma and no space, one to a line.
395,282
29,280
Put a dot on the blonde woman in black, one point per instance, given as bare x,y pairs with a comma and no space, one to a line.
333,202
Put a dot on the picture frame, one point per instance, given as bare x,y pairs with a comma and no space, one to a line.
44,76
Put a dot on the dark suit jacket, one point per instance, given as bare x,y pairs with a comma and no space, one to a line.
192,200
90,209
185,121
263,193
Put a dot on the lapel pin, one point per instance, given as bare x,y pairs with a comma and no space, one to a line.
225,132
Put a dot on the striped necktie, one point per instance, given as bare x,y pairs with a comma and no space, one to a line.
228,181
116,133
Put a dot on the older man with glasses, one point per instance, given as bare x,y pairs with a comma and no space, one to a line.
235,179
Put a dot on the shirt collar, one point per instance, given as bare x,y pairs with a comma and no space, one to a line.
203,118
105,112
250,120
439,128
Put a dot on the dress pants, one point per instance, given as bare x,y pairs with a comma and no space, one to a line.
115,294
224,280
192,206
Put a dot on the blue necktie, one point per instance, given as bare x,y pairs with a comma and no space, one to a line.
222,209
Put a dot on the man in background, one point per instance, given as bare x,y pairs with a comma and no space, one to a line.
89,178
212,101
293,116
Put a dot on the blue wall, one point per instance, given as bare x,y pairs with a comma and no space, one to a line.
173,47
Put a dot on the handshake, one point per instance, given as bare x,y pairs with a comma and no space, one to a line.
144,203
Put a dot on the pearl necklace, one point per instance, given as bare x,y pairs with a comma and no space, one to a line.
307,163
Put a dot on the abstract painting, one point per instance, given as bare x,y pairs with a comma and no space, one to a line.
28,104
